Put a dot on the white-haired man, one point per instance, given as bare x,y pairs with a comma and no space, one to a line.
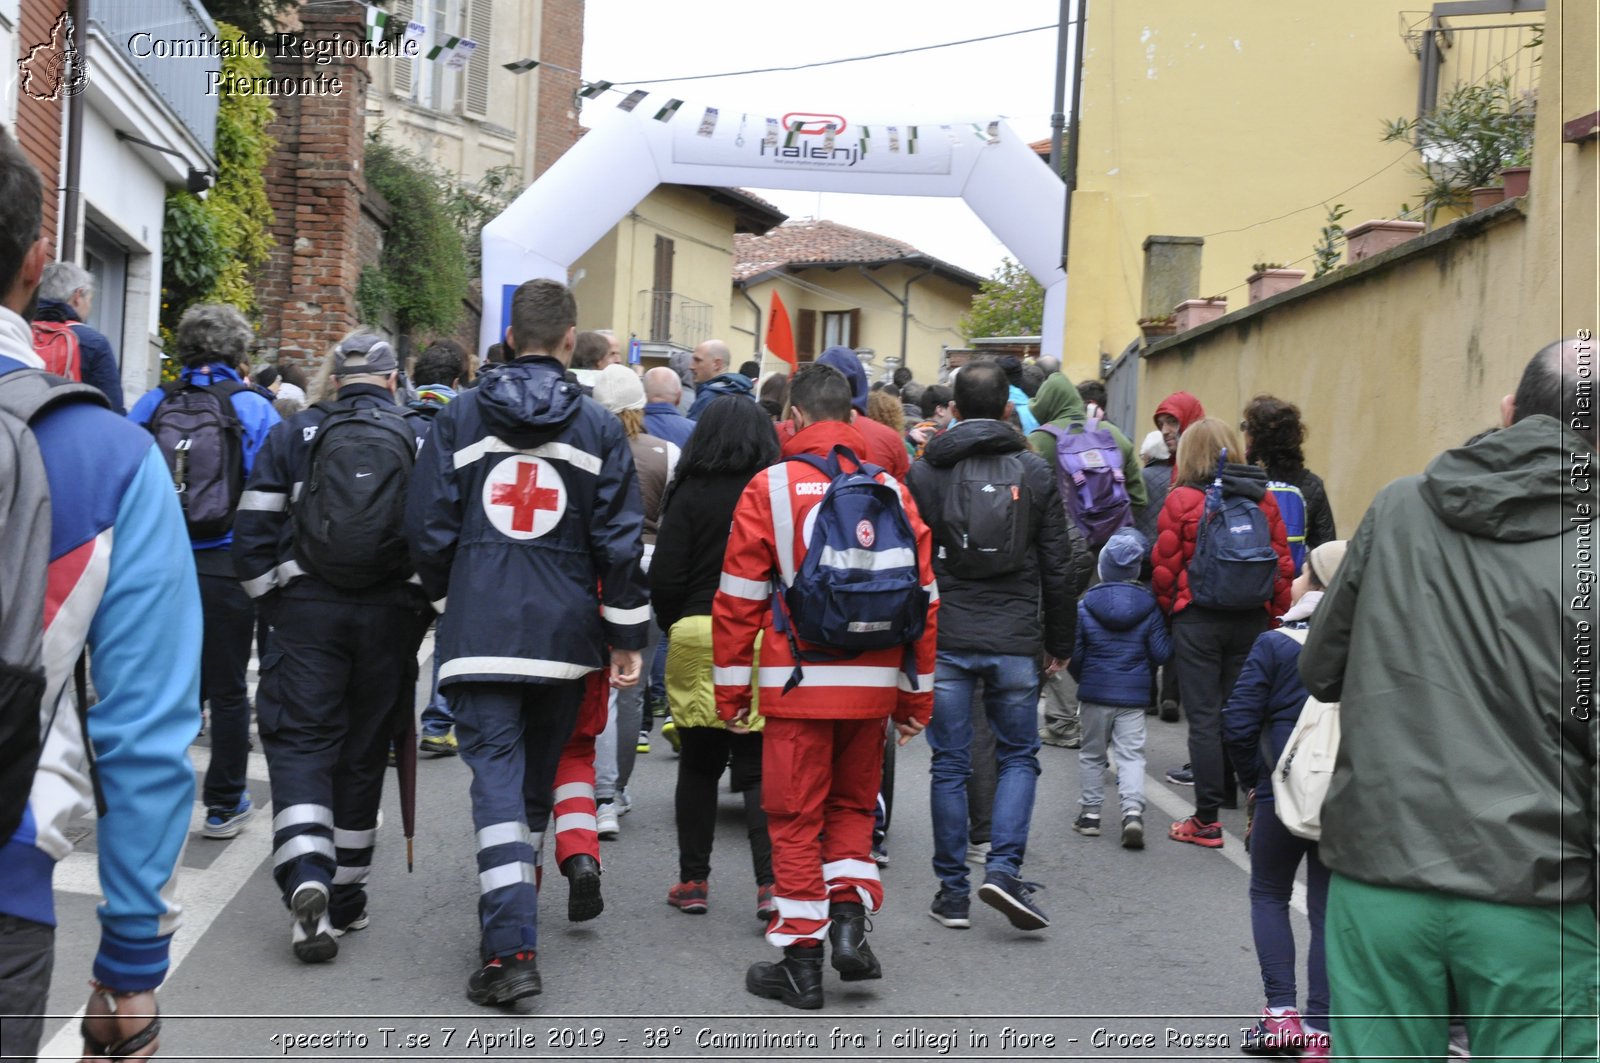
66,299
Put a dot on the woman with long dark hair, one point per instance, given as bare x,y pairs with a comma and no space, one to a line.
732,441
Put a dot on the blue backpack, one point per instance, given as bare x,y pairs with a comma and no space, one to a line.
1234,565
1292,507
859,587
1090,479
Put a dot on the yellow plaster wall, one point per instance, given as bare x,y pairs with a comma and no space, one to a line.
936,308
1392,365
1207,120
622,264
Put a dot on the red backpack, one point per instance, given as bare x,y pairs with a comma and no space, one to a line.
57,344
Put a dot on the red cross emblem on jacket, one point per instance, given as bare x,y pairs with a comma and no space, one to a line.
524,497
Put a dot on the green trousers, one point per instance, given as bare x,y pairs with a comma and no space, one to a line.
1527,979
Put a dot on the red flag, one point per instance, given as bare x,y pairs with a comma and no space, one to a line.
780,335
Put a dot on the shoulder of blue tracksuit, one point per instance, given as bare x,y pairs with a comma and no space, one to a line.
528,411
263,534
256,414
664,421
1262,709
1121,640
122,584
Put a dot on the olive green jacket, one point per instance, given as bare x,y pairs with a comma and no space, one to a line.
1447,637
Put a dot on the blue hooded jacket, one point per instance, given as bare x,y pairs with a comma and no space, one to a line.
845,360
1263,707
1122,638
717,386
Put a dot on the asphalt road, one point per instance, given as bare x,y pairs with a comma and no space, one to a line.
1148,956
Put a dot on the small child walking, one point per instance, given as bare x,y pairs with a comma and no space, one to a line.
1122,639
1256,724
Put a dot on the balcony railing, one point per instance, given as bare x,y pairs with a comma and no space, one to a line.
670,317
1474,42
178,80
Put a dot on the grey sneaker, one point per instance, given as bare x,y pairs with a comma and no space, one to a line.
1133,831
605,821
1013,898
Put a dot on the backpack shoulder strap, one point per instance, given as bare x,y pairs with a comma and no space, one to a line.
26,393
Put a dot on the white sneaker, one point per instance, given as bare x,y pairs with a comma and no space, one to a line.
313,939
623,802
605,821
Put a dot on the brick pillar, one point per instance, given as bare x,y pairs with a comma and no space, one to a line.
561,43
315,183
38,129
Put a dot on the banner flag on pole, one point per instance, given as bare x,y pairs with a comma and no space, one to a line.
415,32
377,22
780,335
521,66
463,52
668,109
594,89
633,100
437,50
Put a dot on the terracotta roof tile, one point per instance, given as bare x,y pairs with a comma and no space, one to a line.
796,243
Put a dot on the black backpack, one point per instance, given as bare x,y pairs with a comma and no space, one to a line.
198,432
983,529
349,519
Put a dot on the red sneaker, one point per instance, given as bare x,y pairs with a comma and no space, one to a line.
1277,1035
766,907
689,897
1314,1045
1194,832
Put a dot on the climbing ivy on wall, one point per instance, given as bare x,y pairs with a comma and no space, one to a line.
211,245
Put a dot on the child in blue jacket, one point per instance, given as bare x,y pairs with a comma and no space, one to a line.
1122,639
1256,724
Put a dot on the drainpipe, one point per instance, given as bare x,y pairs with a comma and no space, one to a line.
905,304
744,291
1058,119
1071,174
68,222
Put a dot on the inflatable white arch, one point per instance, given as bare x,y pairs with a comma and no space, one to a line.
631,149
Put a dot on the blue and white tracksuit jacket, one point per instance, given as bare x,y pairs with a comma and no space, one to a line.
121,580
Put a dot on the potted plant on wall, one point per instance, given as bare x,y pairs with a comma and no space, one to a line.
1515,176
1473,133
1269,278
1156,329
1192,313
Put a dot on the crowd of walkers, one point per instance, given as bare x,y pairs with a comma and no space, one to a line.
797,573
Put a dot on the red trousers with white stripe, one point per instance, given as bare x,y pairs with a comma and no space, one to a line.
574,793
819,789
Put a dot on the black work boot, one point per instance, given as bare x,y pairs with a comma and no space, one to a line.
583,877
505,979
795,980
852,956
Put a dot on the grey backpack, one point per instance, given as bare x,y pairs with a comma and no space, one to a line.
24,569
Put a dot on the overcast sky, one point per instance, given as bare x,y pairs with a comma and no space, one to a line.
631,40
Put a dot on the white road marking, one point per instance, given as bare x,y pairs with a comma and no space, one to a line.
1232,849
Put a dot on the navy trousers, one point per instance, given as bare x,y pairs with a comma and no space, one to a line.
334,683
511,736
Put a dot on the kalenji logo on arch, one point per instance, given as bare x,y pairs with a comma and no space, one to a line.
808,124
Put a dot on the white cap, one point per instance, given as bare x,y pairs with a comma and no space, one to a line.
1154,447
618,389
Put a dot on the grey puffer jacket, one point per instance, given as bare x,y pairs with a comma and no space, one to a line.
1448,637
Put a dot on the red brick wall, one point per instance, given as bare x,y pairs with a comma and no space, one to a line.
315,184
561,43
38,121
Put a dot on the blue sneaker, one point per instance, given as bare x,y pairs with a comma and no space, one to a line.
1183,776
227,822
954,912
1013,898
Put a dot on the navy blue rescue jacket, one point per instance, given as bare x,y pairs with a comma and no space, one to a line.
1122,638
525,511
1263,707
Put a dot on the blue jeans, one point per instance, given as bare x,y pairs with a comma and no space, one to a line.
1275,854
1011,698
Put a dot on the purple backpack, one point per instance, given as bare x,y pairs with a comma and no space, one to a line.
1090,478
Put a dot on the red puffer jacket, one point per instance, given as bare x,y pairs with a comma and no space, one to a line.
1180,524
